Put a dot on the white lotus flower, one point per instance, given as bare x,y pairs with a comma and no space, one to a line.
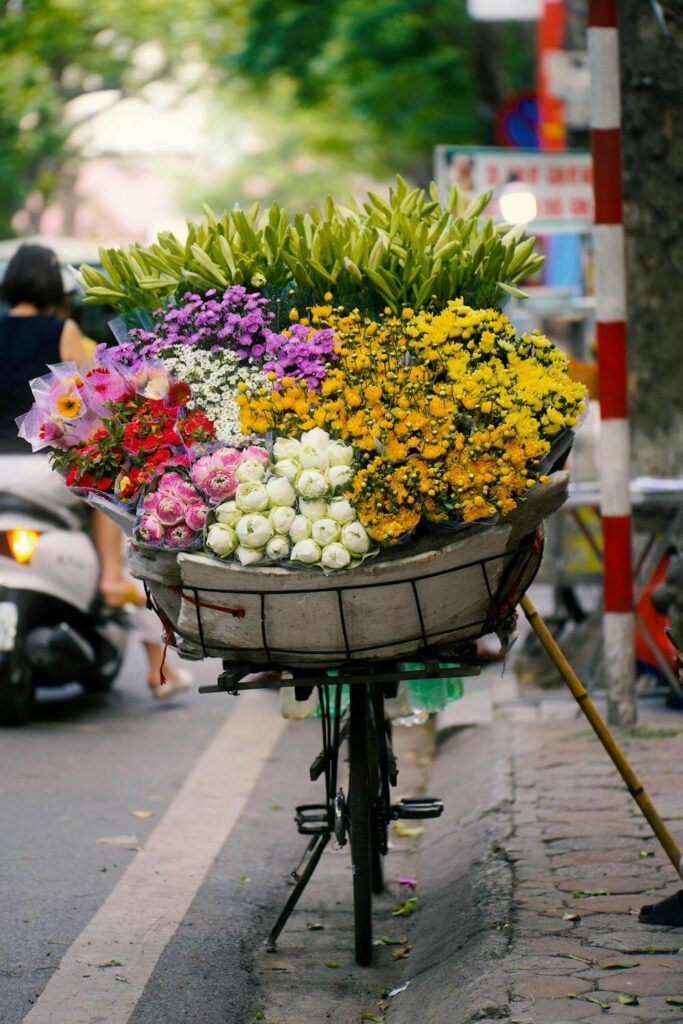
250,469
312,484
335,556
286,448
342,510
229,513
325,531
287,468
251,497
355,538
247,556
254,530
300,529
339,476
280,491
281,519
221,539
314,509
317,437
314,458
306,551
277,547
339,454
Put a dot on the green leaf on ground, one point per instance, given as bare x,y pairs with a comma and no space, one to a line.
111,963
579,894
331,963
315,926
627,1000
598,1002
387,940
674,1001
259,1015
571,916
408,908
276,807
401,954
369,1015
245,878
646,853
615,966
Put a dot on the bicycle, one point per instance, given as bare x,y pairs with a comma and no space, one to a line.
360,817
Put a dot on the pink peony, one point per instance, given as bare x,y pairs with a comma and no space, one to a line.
170,510
253,452
220,485
150,502
180,535
169,482
227,458
201,470
195,515
150,530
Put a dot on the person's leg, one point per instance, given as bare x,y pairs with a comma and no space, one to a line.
116,586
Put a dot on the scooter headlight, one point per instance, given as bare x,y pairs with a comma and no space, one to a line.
22,543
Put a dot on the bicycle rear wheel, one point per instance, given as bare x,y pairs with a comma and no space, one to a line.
360,822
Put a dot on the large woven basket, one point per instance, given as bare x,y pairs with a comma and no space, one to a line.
446,589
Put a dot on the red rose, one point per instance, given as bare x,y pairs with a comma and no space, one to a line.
104,484
179,393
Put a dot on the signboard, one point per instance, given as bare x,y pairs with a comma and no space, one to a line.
561,183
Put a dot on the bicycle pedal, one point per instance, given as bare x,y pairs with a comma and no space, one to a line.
418,807
312,819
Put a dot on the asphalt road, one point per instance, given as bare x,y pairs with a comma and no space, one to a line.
144,853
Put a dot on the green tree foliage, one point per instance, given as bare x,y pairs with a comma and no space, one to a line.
54,51
416,73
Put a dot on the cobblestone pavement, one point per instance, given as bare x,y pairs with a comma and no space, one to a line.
584,861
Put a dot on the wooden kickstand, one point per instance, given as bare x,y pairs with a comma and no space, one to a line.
599,726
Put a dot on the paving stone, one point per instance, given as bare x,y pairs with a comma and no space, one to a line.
552,986
642,982
640,940
550,1011
614,884
607,904
579,858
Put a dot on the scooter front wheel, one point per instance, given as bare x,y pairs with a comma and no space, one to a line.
17,688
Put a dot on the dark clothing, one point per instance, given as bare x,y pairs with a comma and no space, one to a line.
27,345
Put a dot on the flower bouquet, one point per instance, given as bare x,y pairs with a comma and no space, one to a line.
288,399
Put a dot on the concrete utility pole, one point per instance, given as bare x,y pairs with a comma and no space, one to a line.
610,289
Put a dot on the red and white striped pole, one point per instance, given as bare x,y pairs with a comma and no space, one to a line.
610,291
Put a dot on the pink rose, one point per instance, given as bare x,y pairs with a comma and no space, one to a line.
195,516
170,510
180,535
220,485
253,452
150,530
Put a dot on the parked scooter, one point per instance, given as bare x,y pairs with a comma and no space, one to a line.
53,628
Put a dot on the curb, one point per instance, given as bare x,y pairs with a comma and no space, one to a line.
461,932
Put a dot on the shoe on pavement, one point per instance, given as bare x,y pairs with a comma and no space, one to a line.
182,680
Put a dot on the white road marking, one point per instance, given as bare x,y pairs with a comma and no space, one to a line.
144,909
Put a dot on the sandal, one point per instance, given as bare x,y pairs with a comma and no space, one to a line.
666,912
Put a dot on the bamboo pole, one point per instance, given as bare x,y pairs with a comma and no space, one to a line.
582,697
